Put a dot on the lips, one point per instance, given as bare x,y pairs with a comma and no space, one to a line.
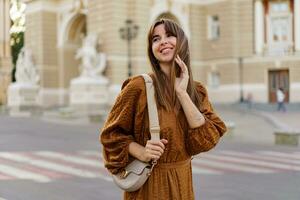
165,49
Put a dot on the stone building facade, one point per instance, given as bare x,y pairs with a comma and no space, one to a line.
238,47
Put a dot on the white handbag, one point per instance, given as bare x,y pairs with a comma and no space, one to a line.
137,172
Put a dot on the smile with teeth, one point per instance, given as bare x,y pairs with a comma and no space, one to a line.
166,50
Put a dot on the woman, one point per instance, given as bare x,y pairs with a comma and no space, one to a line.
187,121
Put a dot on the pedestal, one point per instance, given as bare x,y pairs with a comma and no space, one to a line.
22,99
89,96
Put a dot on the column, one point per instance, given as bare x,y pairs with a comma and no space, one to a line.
41,38
5,54
297,24
259,26
4,30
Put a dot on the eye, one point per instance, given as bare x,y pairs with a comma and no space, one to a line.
155,39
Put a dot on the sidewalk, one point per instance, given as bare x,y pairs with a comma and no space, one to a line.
290,120
257,125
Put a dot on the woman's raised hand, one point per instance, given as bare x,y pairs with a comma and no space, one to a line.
181,83
154,149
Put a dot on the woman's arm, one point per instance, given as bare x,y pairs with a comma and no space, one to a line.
117,132
193,115
117,135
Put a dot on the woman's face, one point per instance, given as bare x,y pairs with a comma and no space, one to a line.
163,44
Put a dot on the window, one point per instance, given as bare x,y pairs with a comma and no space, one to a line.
213,26
280,28
214,79
279,7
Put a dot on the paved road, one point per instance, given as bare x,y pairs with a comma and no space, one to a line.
49,166
58,161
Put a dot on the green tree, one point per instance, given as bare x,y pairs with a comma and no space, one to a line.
17,43
17,15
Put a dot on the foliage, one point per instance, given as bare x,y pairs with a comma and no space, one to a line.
17,15
17,43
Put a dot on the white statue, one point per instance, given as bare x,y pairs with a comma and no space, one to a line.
93,63
26,71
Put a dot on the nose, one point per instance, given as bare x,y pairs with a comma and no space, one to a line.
163,41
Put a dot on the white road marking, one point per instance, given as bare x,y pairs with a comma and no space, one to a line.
51,166
70,158
260,156
202,170
280,154
87,163
90,153
22,174
231,166
254,162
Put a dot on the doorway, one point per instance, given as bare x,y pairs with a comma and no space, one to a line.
277,79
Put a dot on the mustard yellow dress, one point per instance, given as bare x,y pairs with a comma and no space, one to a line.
128,121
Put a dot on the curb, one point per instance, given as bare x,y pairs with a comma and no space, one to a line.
276,123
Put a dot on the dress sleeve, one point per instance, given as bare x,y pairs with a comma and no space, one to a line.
205,137
117,132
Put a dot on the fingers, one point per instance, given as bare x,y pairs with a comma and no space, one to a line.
154,149
181,64
178,61
153,155
156,145
164,141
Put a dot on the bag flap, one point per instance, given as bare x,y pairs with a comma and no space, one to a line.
137,167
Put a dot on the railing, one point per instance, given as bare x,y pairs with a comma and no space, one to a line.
279,50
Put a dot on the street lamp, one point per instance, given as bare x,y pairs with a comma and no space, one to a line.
241,79
129,32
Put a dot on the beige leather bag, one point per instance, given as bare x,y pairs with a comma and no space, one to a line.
137,172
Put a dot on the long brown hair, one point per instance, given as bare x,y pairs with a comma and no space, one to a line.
161,82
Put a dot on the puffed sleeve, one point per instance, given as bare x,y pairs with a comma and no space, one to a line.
205,137
117,132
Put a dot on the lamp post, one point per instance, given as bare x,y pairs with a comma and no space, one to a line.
241,79
128,33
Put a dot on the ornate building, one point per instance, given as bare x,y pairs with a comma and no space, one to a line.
238,47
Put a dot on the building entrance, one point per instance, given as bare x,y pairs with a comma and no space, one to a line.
277,79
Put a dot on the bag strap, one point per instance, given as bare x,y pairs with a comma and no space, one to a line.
152,108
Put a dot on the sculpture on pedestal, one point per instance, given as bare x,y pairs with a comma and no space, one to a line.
88,92
26,71
23,95
93,63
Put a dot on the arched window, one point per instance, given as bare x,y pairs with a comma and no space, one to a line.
77,29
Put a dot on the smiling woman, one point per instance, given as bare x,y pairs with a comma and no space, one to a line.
163,45
188,124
